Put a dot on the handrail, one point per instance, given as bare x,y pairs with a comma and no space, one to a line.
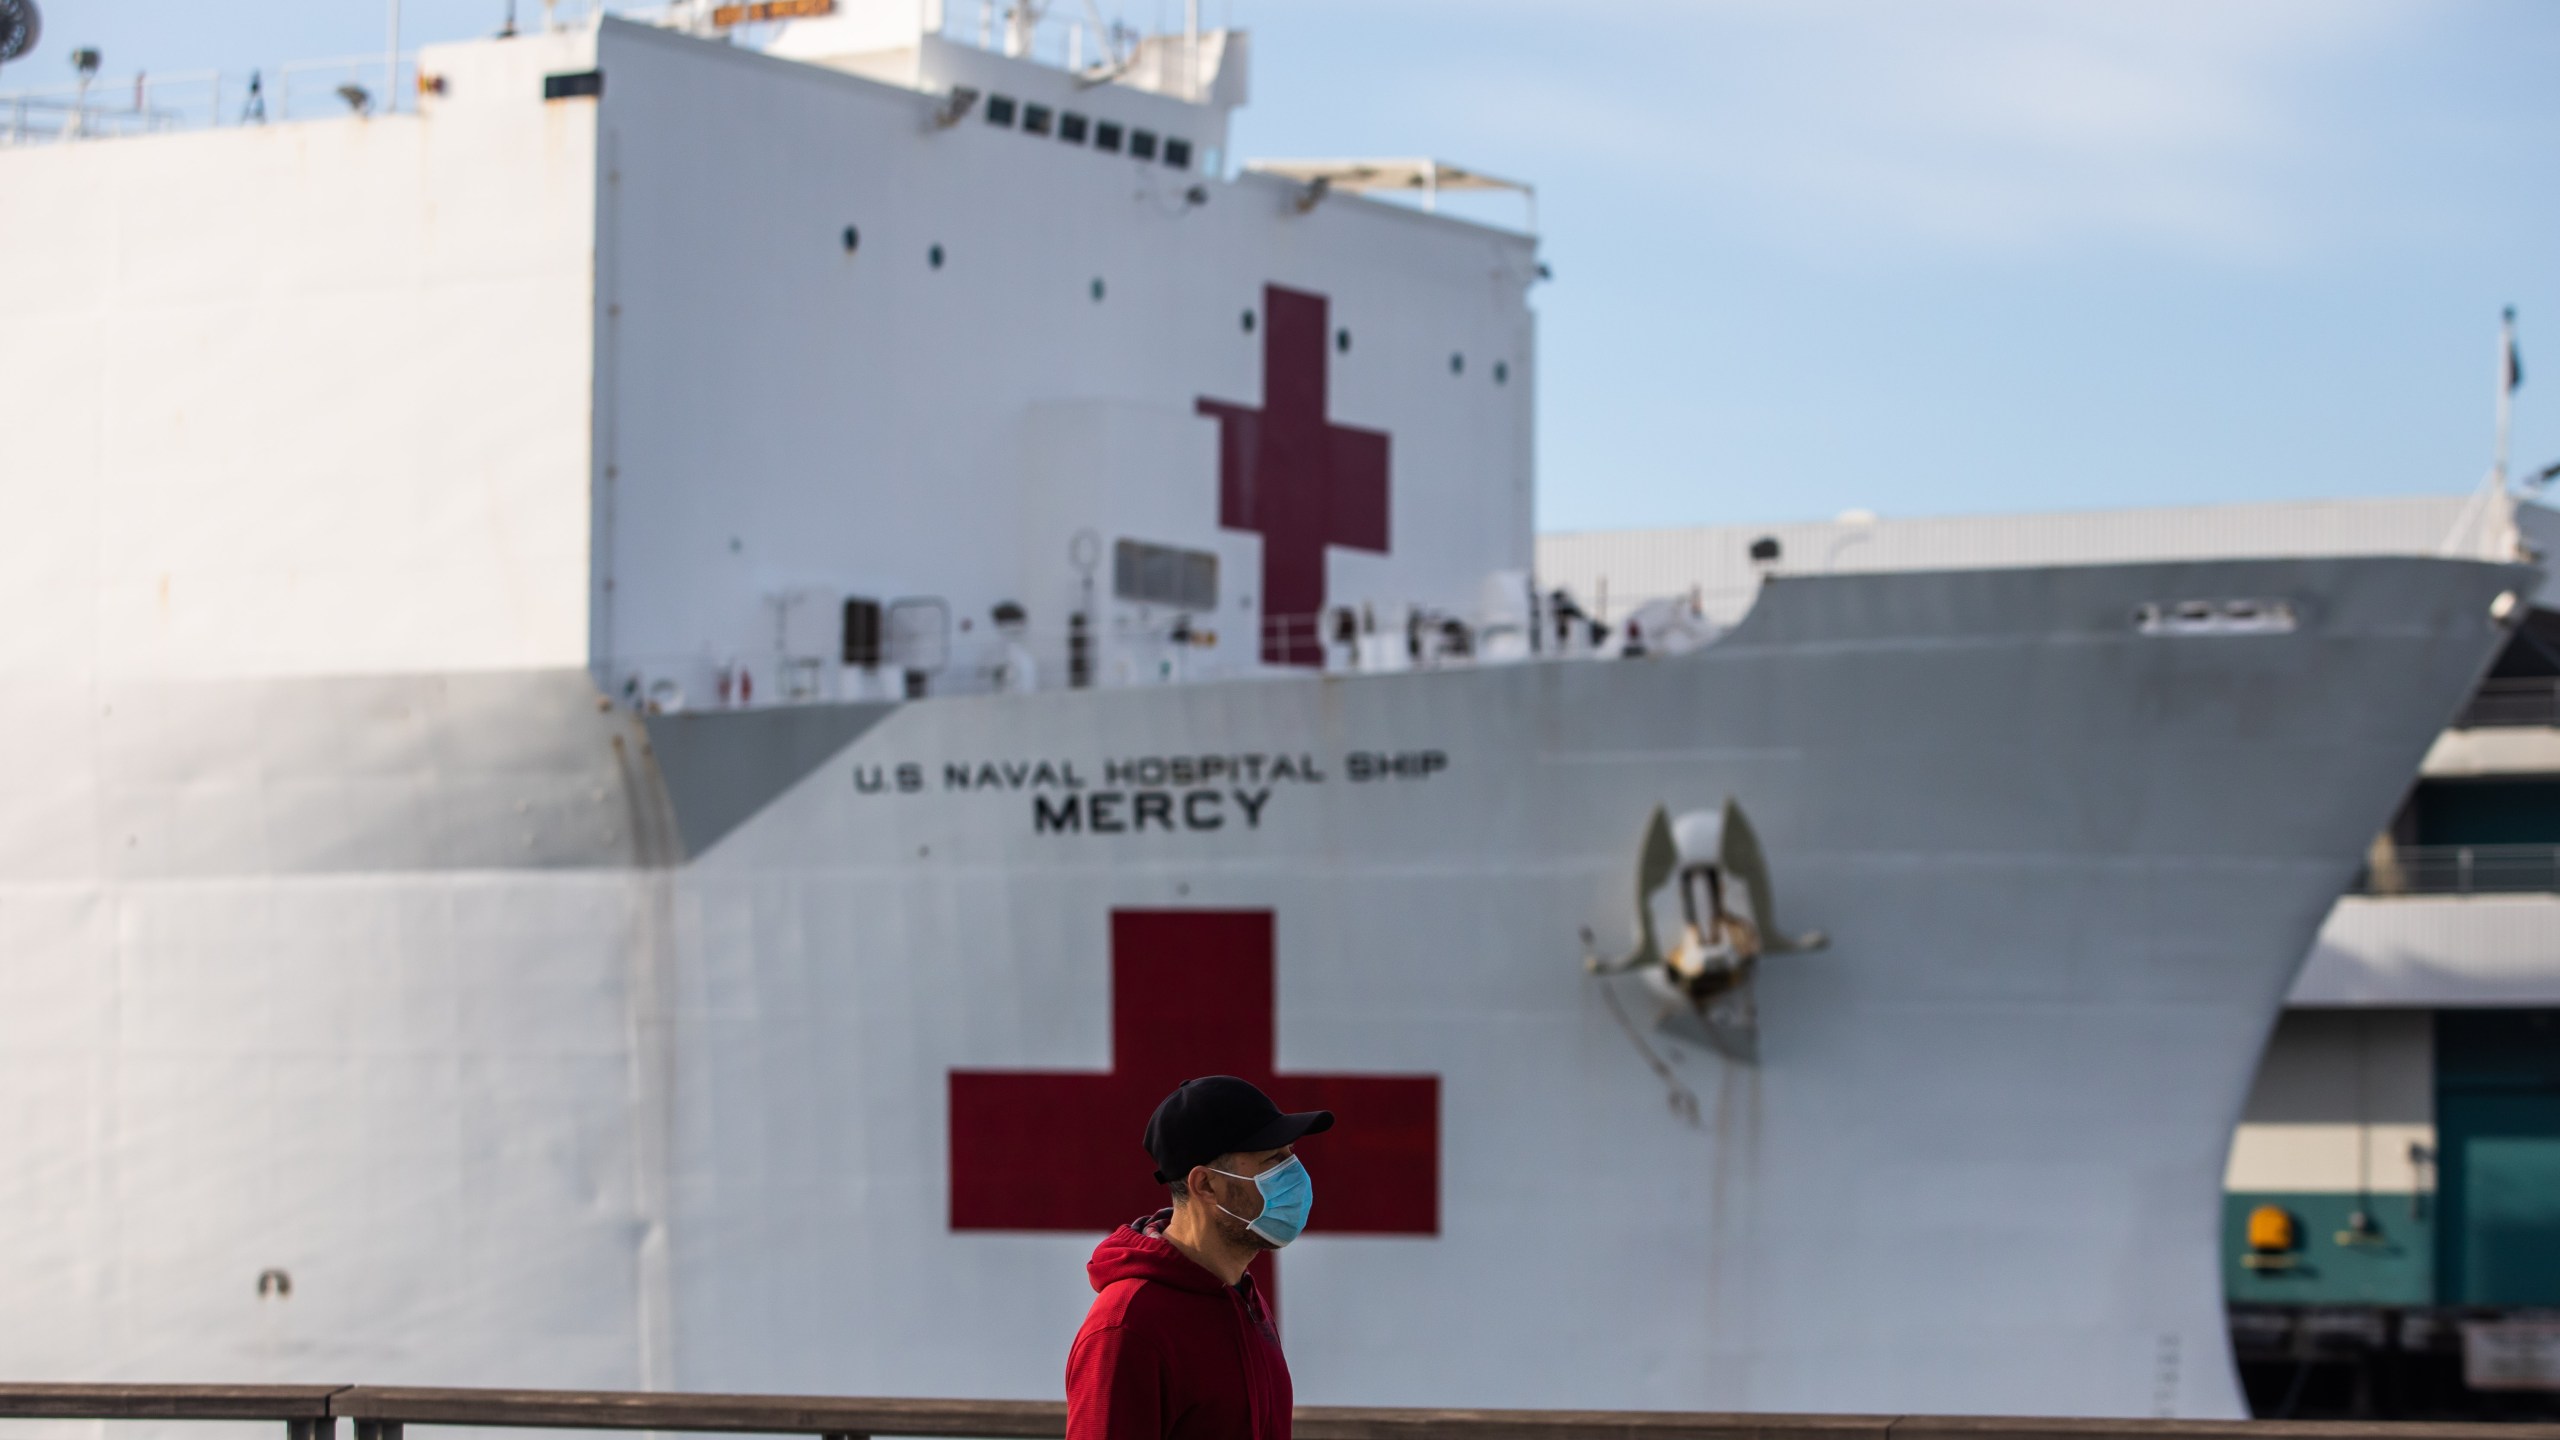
372,1406
311,1412
2532,701
2462,870
167,1402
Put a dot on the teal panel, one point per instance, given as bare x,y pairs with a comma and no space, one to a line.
2500,1177
2395,1267
2488,812
2498,1156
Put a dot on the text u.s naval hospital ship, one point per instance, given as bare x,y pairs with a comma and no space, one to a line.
482,904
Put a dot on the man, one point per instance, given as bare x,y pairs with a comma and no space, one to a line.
1178,1345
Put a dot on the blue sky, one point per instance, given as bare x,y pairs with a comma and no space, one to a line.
1916,256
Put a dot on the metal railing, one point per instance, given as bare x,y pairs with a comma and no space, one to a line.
2512,703
971,656
148,104
312,1412
2463,870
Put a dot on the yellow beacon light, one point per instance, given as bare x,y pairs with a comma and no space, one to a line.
2273,1233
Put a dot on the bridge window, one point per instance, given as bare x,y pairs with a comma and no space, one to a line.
1177,153
1106,136
1035,119
1071,128
1000,110
1142,144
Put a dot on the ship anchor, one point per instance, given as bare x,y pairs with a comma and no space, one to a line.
1712,865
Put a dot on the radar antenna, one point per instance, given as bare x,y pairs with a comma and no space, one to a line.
20,27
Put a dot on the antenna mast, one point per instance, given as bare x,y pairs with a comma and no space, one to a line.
2510,375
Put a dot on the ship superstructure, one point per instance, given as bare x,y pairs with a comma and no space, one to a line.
657,695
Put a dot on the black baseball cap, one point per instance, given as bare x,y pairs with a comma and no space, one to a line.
1219,1115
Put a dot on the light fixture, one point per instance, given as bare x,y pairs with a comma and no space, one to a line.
20,27
2273,1236
955,107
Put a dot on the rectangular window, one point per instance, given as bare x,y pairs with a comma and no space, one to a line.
1000,110
1164,575
1142,144
1177,153
1106,136
1071,128
573,86
862,633
1035,119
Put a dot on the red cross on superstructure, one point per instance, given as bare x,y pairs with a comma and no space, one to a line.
1191,995
1302,481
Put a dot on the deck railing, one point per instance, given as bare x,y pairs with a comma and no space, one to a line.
312,1412
2512,703
148,104
949,655
2463,870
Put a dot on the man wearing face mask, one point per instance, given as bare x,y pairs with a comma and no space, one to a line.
1178,1345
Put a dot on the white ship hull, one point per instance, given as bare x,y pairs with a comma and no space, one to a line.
541,1045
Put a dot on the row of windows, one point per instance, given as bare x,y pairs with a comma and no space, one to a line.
1107,136
933,257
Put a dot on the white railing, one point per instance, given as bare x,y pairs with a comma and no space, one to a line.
1132,651
1068,36
149,104
1062,33
141,104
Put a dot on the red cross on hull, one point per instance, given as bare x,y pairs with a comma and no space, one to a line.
1191,995
1300,480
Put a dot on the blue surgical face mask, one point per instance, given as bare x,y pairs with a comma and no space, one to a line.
1287,1195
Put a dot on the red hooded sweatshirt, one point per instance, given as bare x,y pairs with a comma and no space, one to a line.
1169,1353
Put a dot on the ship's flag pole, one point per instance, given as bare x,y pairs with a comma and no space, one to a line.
2510,375
2475,531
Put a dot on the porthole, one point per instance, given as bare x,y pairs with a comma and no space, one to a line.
1097,289
1342,341
1457,363
1501,372
852,239
1248,322
933,257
